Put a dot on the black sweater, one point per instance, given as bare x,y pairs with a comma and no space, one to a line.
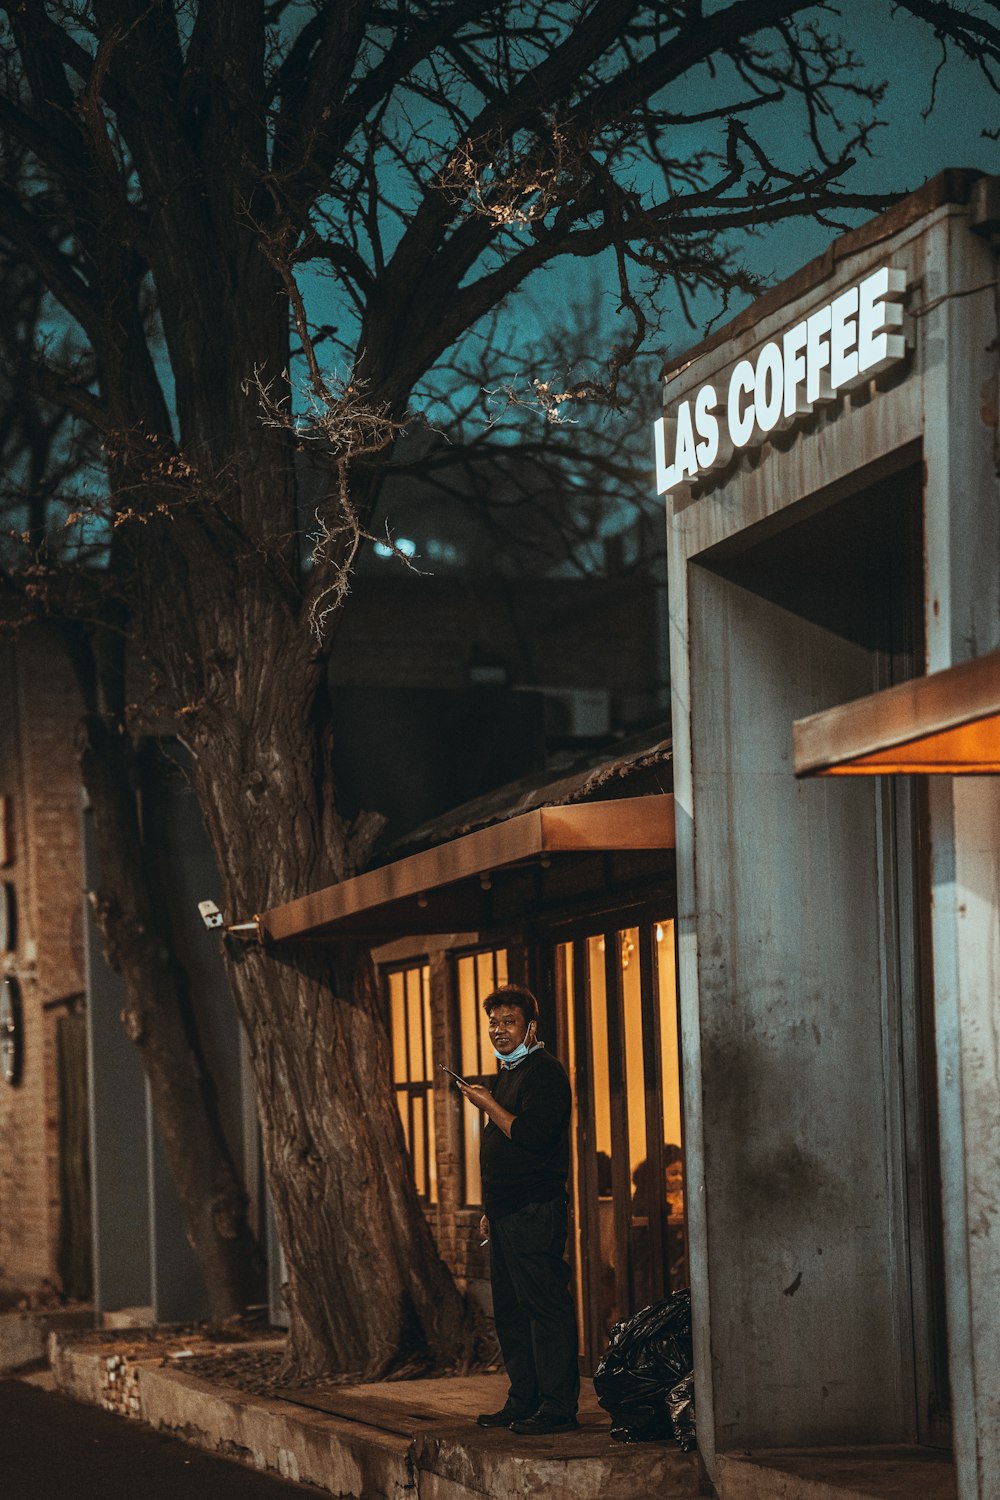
531,1166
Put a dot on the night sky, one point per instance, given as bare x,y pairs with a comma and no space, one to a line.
909,149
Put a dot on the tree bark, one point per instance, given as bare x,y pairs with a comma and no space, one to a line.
138,946
367,1290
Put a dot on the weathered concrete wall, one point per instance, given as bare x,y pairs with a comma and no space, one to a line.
966,876
801,1198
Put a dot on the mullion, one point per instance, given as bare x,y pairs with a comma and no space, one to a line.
412,1087
621,1185
479,1024
680,1087
418,1094
411,1069
590,1238
649,983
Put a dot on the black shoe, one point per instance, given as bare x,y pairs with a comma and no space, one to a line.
501,1418
543,1423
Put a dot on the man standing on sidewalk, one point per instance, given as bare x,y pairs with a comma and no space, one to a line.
524,1157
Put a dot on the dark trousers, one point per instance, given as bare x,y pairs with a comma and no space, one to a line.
534,1312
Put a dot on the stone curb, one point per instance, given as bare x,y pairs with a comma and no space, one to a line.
341,1457
24,1336
344,1457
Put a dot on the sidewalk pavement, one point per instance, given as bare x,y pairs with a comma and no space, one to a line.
418,1440
57,1449
395,1440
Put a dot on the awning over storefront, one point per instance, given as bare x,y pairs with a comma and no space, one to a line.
449,887
947,723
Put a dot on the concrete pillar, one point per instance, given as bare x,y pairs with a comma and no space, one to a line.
963,621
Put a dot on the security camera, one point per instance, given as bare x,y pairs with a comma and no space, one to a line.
212,917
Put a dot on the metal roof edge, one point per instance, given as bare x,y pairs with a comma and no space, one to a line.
951,186
618,825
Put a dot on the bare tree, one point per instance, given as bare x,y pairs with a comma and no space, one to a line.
318,203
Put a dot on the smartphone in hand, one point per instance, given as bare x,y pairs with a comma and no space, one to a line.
457,1077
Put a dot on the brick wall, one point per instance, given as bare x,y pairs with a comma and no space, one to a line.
38,772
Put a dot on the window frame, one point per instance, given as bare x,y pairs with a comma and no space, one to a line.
468,1117
409,1088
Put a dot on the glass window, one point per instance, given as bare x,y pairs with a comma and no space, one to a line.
476,974
628,1244
412,1070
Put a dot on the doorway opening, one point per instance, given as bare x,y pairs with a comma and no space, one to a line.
826,609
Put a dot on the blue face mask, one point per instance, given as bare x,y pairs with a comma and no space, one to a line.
528,1045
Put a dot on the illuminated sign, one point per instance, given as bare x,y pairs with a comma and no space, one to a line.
841,345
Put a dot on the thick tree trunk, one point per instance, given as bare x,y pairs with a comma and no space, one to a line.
139,948
367,1289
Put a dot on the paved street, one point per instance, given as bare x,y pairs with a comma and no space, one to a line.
57,1449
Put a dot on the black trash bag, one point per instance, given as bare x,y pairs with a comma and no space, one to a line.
681,1404
645,1378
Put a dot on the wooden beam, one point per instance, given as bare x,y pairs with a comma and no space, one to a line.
945,723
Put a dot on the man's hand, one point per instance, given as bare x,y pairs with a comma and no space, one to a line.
484,1228
477,1094
480,1096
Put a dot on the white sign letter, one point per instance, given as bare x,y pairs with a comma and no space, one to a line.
741,422
707,424
876,347
666,477
795,371
684,459
844,338
768,387
818,357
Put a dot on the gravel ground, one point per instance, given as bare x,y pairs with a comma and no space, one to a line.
247,1355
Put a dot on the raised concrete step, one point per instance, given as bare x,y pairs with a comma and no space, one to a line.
376,1441
869,1473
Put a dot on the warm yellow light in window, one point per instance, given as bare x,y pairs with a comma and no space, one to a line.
477,975
599,1031
635,1073
397,1002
